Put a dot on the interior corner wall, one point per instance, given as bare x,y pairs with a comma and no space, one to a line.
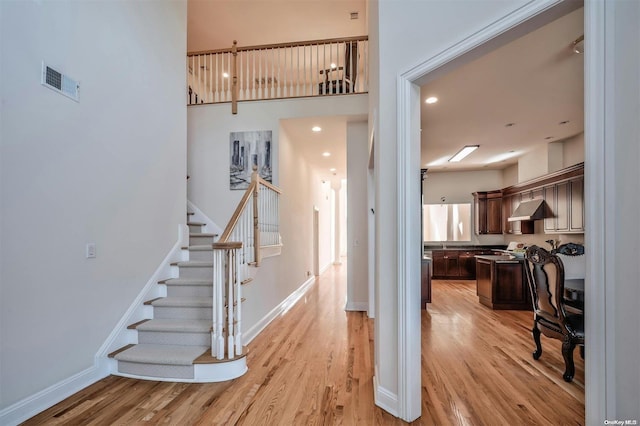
109,169
432,28
573,150
533,164
357,217
302,189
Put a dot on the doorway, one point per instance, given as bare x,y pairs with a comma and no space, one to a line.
408,148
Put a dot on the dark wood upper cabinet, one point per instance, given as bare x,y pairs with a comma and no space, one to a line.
488,212
565,207
576,217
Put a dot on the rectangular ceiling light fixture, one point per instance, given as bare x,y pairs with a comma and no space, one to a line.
468,149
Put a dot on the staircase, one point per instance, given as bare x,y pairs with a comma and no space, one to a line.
175,344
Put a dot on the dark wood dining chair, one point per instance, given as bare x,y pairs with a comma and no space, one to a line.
545,276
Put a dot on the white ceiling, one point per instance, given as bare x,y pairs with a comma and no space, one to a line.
214,24
535,82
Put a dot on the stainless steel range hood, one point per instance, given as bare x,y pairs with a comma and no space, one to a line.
528,210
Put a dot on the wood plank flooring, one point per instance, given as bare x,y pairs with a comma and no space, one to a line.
314,366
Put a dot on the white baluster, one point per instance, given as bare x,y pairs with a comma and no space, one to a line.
214,309
230,302
238,310
279,94
220,308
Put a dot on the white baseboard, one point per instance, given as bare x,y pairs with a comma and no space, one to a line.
119,336
46,398
357,306
282,307
384,398
327,266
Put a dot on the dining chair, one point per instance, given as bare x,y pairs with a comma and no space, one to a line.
545,276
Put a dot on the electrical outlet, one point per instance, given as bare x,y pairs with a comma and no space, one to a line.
90,250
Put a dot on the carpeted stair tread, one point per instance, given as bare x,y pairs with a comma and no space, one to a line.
193,264
196,223
203,247
187,281
176,326
162,354
202,234
186,302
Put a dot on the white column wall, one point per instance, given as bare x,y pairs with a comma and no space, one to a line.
109,170
357,217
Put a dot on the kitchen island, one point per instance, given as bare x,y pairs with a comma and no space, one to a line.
501,282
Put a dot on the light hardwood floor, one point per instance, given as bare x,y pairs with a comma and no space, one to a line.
314,366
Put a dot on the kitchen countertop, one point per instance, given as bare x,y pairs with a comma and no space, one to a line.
499,258
431,247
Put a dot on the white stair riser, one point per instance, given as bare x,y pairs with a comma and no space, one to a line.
174,338
197,240
204,255
175,312
190,291
204,272
156,370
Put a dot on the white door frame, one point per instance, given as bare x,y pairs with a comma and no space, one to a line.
408,148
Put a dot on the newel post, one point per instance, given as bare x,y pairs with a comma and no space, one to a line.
234,75
255,181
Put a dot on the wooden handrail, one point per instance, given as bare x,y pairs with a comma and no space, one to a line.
280,45
236,214
269,185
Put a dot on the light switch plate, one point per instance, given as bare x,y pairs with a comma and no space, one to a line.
91,250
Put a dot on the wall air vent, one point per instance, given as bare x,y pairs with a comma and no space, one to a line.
55,80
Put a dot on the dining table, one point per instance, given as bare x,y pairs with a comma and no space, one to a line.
574,295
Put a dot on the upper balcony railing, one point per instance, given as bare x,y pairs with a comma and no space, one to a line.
277,71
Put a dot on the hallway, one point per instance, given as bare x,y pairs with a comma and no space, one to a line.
313,365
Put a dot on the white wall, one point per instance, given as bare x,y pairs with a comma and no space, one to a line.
621,249
357,217
573,150
458,187
208,154
109,170
533,164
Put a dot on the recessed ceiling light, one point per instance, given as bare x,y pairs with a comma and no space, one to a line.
225,74
564,122
332,169
316,128
466,150
509,124
326,154
548,137
431,100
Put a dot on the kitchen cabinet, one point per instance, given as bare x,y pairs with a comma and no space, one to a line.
467,265
456,264
425,291
501,283
445,264
565,207
488,212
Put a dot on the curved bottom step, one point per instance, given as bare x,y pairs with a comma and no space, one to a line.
202,373
192,364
